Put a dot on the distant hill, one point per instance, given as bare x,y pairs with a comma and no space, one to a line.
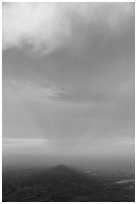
61,169
59,184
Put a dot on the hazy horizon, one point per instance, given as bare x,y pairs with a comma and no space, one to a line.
68,84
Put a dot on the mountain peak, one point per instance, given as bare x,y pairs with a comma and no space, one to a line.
61,166
61,169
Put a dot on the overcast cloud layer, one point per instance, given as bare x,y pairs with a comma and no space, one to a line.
48,26
68,80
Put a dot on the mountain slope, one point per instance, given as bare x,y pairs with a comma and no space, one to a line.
62,184
56,184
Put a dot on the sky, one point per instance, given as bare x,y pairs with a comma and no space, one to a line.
68,82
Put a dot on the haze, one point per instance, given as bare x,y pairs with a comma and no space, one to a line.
68,83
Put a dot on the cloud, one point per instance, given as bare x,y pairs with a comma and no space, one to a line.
27,141
48,26
33,148
16,88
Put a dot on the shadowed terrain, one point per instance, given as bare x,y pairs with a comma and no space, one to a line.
61,183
